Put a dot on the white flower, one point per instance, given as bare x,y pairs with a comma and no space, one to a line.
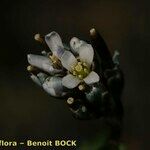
79,67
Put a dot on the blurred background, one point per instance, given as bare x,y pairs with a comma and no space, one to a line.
26,111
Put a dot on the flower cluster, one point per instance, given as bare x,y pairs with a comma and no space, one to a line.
91,83
63,68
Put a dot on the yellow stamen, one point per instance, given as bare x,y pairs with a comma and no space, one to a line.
32,69
80,76
53,58
70,100
55,61
78,68
38,38
85,70
81,87
74,73
84,64
79,63
29,68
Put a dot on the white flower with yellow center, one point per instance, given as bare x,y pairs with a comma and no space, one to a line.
78,62
79,69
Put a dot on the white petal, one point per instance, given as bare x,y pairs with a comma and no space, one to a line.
50,91
39,61
35,79
42,77
42,62
70,81
68,60
75,43
86,53
55,44
53,86
93,77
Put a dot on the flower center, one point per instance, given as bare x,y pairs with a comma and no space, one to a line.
80,70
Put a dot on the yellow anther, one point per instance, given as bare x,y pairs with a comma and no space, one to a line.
79,63
53,58
78,68
72,67
85,70
80,76
84,64
81,87
70,100
38,38
74,73
29,68
32,69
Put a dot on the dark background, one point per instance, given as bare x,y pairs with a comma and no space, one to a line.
26,111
